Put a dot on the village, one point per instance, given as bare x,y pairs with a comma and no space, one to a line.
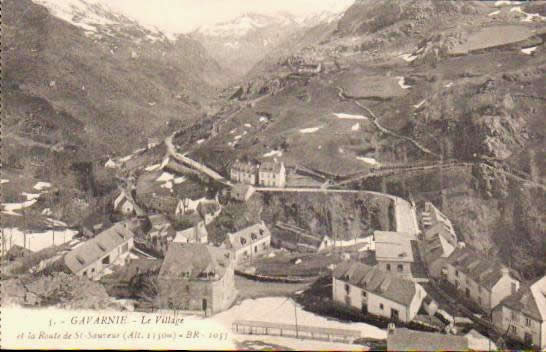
176,253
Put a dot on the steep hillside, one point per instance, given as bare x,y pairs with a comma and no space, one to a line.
79,87
239,44
402,82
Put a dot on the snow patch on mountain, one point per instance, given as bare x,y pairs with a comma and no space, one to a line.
97,18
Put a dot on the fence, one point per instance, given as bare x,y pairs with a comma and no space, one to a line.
291,330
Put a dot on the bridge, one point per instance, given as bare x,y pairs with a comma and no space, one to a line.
171,151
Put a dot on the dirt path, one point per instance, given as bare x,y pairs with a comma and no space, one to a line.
375,120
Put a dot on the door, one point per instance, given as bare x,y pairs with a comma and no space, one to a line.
394,314
364,307
528,339
204,304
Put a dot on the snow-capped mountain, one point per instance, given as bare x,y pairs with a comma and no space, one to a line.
240,43
98,19
245,24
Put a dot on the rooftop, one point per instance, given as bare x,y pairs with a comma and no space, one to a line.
270,166
394,246
530,300
245,167
403,339
372,279
484,270
195,262
97,247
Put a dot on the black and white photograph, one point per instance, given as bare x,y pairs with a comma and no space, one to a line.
321,175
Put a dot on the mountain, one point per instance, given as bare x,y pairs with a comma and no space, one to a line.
81,83
240,43
411,82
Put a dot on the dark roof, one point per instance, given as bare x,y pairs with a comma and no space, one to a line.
372,279
525,301
484,270
247,236
270,166
410,340
435,246
440,229
196,260
95,248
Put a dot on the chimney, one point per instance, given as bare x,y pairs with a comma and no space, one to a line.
505,272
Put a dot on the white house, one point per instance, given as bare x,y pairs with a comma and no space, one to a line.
272,174
249,242
371,290
244,172
480,278
523,314
93,256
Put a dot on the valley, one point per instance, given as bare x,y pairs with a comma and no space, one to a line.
328,130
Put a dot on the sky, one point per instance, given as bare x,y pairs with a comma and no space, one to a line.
181,16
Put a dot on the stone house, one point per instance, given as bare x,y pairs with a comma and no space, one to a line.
249,242
371,290
93,256
523,314
481,279
197,277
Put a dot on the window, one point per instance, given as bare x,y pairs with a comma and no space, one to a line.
381,306
364,294
514,315
347,288
457,273
388,267
514,288
513,329
400,268
527,322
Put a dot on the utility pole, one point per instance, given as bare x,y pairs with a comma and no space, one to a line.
296,317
